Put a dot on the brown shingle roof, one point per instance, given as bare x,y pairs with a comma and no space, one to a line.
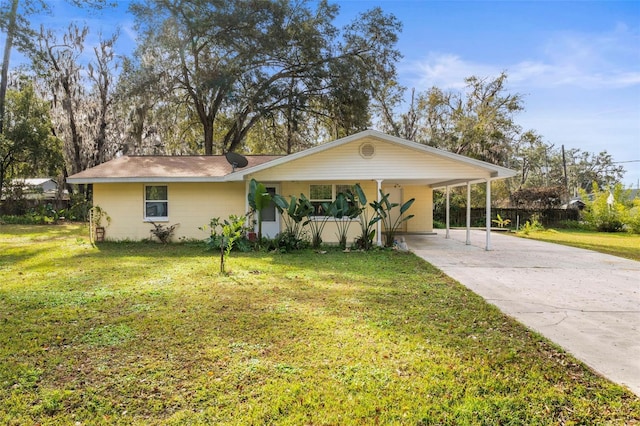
163,167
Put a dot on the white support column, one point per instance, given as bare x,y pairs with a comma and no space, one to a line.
379,225
488,220
447,218
468,242
247,208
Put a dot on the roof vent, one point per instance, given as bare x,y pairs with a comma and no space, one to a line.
367,150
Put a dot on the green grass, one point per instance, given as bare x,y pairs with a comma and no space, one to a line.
618,243
148,334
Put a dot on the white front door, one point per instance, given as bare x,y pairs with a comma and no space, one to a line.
270,215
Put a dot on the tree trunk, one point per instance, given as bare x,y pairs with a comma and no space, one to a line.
8,44
208,137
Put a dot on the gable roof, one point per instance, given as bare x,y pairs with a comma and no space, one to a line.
217,169
32,181
185,168
490,170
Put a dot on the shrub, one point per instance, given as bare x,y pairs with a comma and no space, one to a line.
532,225
437,224
15,201
18,220
501,222
293,213
631,217
79,208
571,224
605,210
162,232
43,214
287,241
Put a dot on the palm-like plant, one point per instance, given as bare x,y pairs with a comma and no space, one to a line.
343,211
293,214
259,198
316,223
368,232
383,210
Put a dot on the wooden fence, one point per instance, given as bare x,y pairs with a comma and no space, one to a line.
23,206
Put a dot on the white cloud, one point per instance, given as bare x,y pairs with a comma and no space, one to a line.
446,71
588,61
581,90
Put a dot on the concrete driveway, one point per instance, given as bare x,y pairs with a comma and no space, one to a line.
586,302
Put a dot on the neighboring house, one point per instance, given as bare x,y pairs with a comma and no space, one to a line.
574,203
37,188
190,190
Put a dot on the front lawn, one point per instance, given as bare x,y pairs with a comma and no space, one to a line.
619,244
149,334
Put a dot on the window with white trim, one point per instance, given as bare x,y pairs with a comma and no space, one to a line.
325,193
156,202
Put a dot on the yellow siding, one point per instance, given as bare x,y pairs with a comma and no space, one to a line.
330,232
390,161
422,208
192,205
124,204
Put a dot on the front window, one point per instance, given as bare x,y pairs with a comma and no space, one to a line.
156,202
325,193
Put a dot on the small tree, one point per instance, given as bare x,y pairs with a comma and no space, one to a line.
26,144
232,230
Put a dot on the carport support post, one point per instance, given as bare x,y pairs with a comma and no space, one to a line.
447,211
488,219
468,242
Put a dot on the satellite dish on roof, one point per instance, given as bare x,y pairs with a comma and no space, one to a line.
236,160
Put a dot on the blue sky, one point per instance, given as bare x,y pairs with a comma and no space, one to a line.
577,63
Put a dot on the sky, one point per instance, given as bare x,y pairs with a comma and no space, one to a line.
576,63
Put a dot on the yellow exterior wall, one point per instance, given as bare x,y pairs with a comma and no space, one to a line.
192,205
329,234
422,208
390,161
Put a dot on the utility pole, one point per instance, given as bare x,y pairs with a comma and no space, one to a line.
564,166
